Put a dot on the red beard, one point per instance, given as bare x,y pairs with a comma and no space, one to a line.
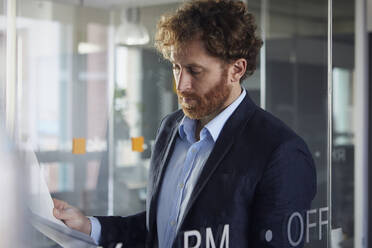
207,104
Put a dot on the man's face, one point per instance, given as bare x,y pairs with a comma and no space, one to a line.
201,81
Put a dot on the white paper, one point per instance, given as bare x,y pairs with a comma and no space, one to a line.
41,206
40,201
64,236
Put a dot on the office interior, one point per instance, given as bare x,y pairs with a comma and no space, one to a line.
83,89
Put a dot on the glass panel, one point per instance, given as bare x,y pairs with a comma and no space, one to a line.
296,88
343,136
254,82
63,68
295,69
65,84
143,96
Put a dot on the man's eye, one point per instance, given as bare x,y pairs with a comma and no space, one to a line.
194,71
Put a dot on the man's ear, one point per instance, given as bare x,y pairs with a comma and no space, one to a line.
238,69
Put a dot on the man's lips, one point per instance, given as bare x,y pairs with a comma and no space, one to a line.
188,100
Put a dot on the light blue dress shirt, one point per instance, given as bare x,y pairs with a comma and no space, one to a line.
182,173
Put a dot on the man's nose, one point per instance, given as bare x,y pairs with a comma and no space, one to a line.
183,81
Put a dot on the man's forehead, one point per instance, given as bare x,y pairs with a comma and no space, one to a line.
190,52
192,57
180,52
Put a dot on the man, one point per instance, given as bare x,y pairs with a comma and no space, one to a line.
224,173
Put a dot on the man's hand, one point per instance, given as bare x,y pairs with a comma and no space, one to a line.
71,216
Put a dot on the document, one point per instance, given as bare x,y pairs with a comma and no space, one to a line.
62,235
41,206
40,201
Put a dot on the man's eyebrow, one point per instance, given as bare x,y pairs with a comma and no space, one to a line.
194,65
188,65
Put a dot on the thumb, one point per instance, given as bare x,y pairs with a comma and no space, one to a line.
62,214
56,212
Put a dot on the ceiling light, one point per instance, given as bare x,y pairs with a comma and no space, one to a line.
130,31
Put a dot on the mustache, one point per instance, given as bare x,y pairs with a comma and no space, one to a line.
187,94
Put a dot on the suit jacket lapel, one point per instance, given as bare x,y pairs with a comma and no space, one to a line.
237,121
168,149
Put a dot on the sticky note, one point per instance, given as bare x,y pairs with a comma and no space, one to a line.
78,146
137,144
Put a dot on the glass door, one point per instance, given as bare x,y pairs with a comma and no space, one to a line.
292,83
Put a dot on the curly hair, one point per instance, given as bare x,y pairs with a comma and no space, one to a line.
226,28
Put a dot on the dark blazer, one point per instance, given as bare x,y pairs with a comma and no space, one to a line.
253,191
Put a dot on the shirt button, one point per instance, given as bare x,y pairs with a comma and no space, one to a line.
193,150
181,185
173,223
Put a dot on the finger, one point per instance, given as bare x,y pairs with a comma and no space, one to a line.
56,213
65,214
59,204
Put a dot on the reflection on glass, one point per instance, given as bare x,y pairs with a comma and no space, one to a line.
143,96
296,89
62,95
58,176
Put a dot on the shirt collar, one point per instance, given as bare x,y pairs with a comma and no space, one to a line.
187,129
214,127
